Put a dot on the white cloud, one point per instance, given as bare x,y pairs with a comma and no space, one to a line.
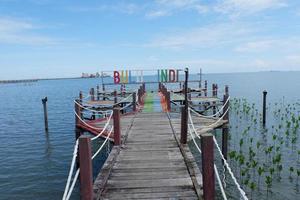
156,14
241,7
274,44
208,36
16,31
163,8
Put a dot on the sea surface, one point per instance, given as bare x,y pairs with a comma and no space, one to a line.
35,164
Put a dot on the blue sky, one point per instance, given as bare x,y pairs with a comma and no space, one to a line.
51,38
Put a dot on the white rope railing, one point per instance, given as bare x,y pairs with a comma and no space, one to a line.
217,113
242,192
124,107
93,127
100,148
92,110
213,124
67,188
215,167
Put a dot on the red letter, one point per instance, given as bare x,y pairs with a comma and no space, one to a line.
116,77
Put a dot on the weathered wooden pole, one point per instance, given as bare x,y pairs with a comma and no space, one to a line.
115,96
216,90
225,129
98,91
80,96
184,110
92,93
78,112
200,78
207,148
44,101
117,127
205,88
134,101
264,106
86,170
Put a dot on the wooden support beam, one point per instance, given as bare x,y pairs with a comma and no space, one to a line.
86,169
117,127
207,148
92,93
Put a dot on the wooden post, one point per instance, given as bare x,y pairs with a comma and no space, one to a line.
103,90
264,106
168,101
207,148
184,110
98,95
115,96
225,129
92,93
134,101
80,96
216,90
117,128
44,101
226,106
86,169
205,88
78,112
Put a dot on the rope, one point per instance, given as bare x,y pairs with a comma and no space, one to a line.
67,189
73,184
93,126
243,194
100,148
216,122
124,107
88,108
104,128
212,116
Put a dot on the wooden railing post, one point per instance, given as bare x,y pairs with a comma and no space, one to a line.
207,148
98,91
86,170
183,135
92,93
264,106
117,127
134,101
168,101
80,96
184,111
77,111
226,106
225,129
115,96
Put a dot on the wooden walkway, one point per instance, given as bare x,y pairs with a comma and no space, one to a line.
150,165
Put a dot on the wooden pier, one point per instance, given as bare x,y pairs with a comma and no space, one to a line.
150,158
150,165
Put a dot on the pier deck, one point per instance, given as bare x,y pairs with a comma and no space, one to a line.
149,166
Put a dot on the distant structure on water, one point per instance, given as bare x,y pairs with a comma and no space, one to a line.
96,75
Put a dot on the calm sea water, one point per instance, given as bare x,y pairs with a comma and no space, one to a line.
35,165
